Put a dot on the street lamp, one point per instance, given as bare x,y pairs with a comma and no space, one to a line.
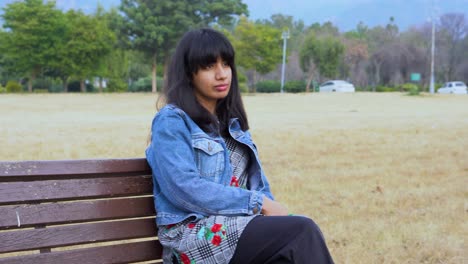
431,85
284,36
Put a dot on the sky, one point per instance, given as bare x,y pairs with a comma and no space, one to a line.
346,14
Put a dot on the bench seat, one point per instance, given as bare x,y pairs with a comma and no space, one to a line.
77,211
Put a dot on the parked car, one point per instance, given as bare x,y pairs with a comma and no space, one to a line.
337,86
453,88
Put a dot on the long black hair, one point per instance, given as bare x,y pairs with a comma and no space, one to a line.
198,49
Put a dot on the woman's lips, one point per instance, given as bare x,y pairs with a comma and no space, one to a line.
221,87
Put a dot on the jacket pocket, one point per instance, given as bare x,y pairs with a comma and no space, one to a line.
209,156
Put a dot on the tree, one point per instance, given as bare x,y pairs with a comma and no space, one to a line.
34,30
452,30
380,36
360,33
391,29
153,27
2,58
355,57
284,22
326,29
137,66
462,71
394,62
323,53
115,65
258,47
296,31
8,70
89,41
418,40
220,12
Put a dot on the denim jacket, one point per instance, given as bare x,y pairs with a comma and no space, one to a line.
192,171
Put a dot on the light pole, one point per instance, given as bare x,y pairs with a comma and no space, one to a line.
431,85
284,36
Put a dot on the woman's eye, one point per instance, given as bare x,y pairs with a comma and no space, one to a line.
209,66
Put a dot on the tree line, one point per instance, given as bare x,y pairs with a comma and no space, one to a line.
127,47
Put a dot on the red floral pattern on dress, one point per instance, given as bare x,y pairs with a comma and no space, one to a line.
191,225
184,258
216,228
215,234
216,240
234,181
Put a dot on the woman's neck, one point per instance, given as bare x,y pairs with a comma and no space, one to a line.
210,106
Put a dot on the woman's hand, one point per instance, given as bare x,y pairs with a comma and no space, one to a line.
271,208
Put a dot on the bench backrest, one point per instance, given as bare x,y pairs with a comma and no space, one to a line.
77,211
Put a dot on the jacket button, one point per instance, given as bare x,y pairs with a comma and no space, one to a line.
209,147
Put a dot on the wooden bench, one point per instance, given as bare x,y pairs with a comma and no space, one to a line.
77,211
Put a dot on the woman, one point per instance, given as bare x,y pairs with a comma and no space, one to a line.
212,198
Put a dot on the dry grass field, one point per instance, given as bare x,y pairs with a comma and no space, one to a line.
384,175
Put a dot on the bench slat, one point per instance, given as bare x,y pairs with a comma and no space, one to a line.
53,190
72,212
47,194
76,234
115,254
72,167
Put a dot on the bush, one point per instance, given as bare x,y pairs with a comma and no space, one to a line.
13,87
2,89
142,85
74,87
116,85
408,87
381,88
413,90
243,87
40,91
145,85
160,83
295,87
241,77
41,84
363,88
268,87
56,88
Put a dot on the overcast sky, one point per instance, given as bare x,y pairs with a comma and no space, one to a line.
346,14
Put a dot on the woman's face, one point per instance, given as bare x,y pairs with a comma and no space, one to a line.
212,83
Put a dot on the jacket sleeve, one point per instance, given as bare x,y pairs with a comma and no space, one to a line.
266,189
174,167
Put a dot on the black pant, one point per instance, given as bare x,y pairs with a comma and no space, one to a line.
281,239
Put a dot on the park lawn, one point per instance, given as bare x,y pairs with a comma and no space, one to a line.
383,174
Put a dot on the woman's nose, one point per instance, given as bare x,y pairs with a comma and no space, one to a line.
221,71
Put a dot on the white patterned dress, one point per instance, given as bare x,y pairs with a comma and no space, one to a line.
211,240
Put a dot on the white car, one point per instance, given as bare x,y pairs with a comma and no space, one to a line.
453,88
337,86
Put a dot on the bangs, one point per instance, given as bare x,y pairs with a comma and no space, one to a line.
206,48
